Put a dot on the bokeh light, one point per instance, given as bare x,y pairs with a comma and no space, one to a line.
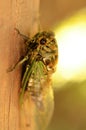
71,38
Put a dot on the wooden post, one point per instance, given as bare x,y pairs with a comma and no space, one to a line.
22,14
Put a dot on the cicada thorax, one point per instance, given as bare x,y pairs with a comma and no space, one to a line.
43,47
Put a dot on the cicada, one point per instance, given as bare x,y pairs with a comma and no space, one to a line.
40,63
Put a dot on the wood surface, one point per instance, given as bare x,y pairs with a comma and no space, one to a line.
22,14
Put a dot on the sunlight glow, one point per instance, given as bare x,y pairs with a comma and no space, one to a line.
71,37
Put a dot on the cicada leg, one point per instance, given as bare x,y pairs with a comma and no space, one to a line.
18,63
24,84
26,38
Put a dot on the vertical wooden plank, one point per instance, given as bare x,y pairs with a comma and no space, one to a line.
22,15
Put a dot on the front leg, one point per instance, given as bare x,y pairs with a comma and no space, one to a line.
18,63
26,38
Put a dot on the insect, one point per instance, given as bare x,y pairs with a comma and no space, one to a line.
40,63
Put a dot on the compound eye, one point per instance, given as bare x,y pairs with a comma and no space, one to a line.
43,41
47,61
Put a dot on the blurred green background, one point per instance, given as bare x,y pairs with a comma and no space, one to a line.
70,107
70,96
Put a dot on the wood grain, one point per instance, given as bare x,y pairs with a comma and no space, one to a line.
24,16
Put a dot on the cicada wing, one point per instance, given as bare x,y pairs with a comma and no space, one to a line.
26,77
41,106
44,106
41,95
37,116
39,92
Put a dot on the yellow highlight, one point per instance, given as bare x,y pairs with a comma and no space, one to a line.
71,38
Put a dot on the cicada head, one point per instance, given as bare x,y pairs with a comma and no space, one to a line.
43,47
48,48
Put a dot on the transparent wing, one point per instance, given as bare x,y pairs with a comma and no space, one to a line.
39,93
